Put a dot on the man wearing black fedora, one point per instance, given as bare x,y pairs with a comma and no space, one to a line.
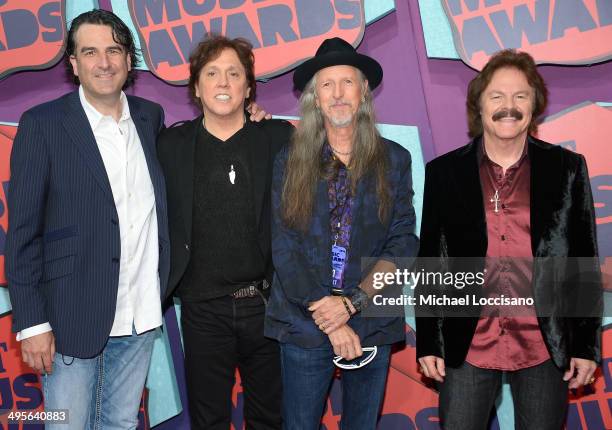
340,193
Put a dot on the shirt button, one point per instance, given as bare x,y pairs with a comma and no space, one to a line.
503,237
187,247
131,226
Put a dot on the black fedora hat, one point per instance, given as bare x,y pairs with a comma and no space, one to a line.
337,52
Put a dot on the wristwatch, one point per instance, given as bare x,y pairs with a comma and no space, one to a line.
359,299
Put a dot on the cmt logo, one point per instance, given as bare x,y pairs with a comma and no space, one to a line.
558,32
31,34
591,405
585,128
283,32
7,134
19,385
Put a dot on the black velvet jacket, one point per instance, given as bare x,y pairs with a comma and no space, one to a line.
562,225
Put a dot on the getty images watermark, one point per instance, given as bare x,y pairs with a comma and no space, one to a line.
458,280
477,287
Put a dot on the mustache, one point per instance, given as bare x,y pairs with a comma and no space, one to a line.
339,103
507,113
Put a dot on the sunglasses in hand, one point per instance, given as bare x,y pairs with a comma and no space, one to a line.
369,352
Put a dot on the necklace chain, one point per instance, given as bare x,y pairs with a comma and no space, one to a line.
339,152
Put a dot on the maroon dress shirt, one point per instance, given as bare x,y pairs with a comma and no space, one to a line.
507,337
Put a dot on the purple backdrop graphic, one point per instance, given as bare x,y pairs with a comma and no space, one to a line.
416,90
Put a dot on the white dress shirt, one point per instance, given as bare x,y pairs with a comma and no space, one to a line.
138,301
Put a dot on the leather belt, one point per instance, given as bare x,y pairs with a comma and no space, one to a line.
252,290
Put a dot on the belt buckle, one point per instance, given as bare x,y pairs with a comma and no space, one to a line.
241,293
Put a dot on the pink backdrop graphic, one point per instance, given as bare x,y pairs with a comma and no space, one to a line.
553,32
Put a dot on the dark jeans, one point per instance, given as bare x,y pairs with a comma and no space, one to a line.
307,376
220,334
468,393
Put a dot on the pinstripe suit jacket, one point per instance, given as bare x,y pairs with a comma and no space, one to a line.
63,245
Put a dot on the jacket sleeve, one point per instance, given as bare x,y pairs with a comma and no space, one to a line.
401,242
26,202
586,286
429,338
292,269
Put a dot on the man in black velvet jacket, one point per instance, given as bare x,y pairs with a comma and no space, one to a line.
519,202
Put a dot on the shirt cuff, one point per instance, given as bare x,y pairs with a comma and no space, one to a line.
33,331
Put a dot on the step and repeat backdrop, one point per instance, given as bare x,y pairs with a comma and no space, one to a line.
429,50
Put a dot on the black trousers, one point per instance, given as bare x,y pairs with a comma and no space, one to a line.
220,335
468,394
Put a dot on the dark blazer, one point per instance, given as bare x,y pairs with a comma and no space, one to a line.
176,148
302,261
562,225
63,244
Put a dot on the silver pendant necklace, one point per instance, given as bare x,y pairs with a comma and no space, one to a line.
232,174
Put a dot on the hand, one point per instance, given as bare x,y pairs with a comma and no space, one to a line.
346,343
257,112
38,352
584,370
329,313
433,367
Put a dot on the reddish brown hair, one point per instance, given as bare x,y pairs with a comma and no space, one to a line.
210,49
512,59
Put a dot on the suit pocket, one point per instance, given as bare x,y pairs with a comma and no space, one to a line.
58,268
60,233
58,258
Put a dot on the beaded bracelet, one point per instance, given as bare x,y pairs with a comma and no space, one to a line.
348,309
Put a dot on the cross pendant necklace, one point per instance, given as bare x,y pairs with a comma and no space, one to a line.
495,199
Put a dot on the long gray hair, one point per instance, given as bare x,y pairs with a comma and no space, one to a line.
305,164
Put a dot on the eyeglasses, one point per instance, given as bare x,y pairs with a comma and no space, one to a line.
357,363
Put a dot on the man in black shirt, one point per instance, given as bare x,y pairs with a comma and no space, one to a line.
218,172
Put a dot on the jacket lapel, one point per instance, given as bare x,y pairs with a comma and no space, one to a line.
357,211
77,126
185,162
259,159
148,138
322,232
545,176
467,179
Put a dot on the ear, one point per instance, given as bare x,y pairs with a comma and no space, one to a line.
73,63
129,62
248,93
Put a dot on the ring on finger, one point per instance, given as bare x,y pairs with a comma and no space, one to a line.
591,380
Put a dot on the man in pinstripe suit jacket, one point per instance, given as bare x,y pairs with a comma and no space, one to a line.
87,249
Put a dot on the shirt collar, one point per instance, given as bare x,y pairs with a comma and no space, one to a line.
481,153
94,117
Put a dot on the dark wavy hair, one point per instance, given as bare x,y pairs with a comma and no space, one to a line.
209,49
508,58
121,34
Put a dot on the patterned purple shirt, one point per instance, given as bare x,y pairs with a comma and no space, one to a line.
340,204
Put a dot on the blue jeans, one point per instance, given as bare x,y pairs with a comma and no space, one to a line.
102,392
307,376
